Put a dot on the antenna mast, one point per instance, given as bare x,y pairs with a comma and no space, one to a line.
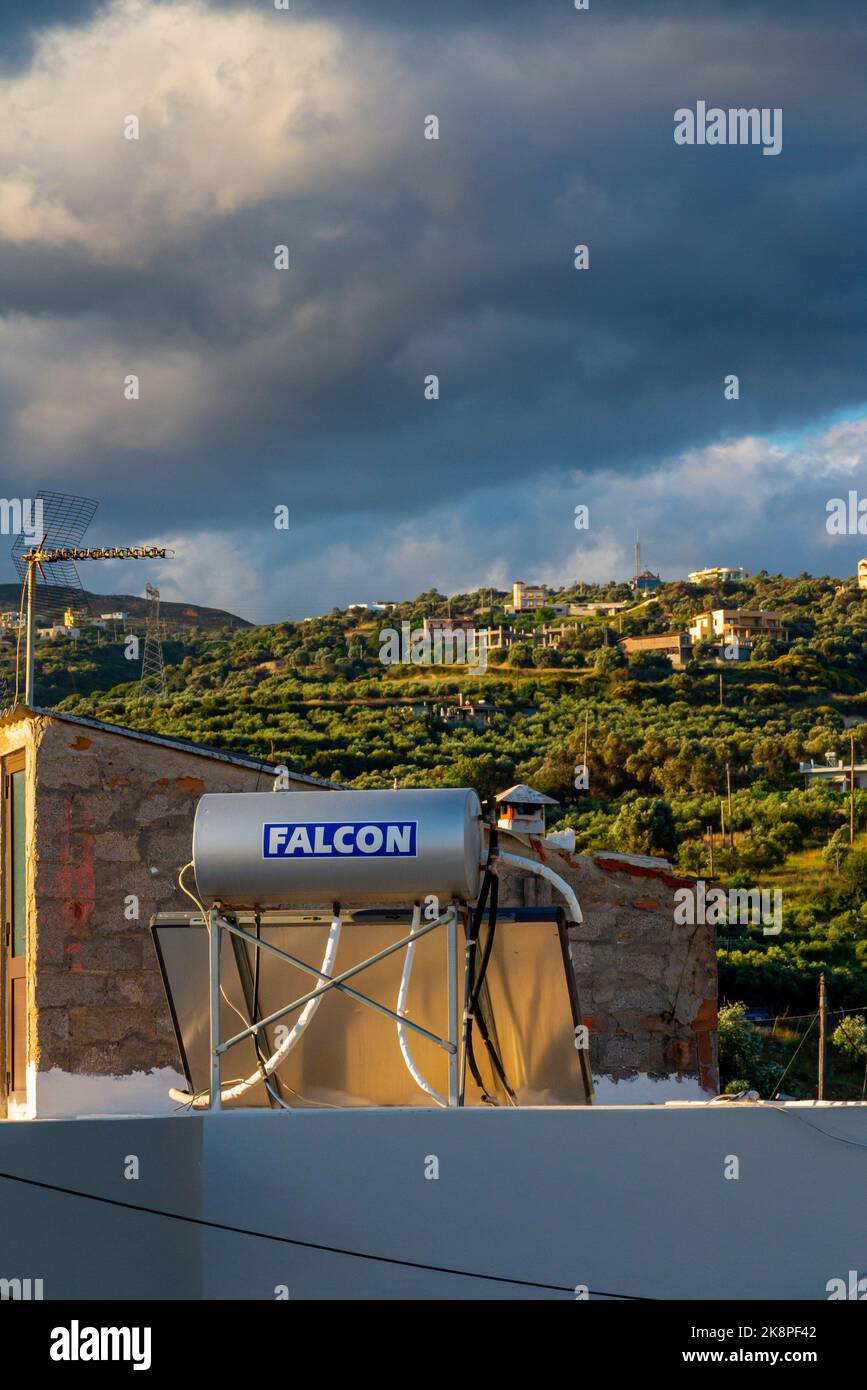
36,557
63,520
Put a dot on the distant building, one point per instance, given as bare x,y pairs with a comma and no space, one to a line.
719,574
732,649
589,610
114,617
526,597
862,574
553,636
476,713
380,606
560,610
726,624
522,810
434,625
497,639
58,630
645,582
677,646
834,772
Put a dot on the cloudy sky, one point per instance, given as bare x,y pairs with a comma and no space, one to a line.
408,257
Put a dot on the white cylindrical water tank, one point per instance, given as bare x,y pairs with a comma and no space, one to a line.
278,848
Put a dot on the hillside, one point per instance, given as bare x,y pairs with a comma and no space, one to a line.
175,615
316,696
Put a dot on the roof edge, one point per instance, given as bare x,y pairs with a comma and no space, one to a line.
14,713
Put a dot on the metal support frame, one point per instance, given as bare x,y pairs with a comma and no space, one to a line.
214,943
217,923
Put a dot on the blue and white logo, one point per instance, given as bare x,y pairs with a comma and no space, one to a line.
322,839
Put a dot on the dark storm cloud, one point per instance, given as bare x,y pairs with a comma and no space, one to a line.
456,258
20,24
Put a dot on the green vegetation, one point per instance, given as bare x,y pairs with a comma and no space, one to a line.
314,695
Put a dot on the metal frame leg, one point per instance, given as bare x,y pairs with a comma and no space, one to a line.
214,941
454,1007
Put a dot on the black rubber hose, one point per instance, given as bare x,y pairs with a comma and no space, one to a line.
257,1036
489,943
483,1028
474,929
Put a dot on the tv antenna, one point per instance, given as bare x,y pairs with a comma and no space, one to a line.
153,671
48,567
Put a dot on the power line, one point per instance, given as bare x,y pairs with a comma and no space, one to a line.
795,1018
792,1058
828,1133
313,1245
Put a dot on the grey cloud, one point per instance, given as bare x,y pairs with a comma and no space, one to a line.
455,258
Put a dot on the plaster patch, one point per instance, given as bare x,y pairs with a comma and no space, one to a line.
59,1093
642,1089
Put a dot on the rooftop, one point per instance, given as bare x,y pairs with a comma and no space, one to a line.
522,795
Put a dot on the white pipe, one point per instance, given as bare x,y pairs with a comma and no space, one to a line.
286,1046
401,1009
531,866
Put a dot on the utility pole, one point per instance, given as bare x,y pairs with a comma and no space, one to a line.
731,821
822,1012
722,821
710,843
720,690
851,789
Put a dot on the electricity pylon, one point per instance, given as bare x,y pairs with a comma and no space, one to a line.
153,671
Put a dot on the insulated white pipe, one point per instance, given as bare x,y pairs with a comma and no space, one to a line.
531,866
239,1089
401,1009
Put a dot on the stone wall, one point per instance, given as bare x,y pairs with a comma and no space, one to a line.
647,986
112,820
